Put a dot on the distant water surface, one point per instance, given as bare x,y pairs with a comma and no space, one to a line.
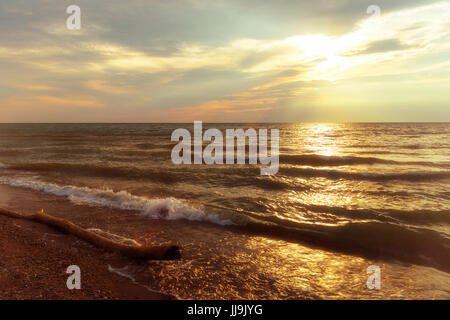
374,191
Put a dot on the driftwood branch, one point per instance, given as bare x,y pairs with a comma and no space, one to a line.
163,252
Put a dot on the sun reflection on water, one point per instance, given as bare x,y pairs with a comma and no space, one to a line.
321,138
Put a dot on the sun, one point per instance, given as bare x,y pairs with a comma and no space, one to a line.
314,45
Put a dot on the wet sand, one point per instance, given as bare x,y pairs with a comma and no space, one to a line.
214,262
34,259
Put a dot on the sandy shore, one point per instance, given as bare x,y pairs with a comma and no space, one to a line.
34,260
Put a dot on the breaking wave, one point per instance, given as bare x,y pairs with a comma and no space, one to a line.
375,239
168,208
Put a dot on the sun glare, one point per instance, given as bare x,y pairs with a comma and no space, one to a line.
314,45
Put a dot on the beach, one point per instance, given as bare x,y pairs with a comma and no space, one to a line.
347,197
225,150
34,260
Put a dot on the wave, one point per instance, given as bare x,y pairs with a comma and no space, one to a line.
99,170
374,239
384,238
125,272
175,175
320,160
413,217
337,174
329,161
272,183
226,175
11,153
168,208
70,150
149,146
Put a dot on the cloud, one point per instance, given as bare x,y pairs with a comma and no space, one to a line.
240,58
115,89
50,101
384,46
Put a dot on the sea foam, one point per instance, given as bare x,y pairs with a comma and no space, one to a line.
126,273
167,208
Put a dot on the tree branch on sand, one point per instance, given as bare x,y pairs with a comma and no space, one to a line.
162,252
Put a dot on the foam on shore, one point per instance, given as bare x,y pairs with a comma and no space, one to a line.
167,208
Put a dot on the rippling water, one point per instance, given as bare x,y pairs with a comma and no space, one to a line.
345,195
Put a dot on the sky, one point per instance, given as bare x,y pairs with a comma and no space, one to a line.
225,61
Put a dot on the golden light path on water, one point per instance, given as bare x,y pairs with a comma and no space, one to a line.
320,139
339,276
275,269
351,185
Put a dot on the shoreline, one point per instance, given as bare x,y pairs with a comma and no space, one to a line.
38,257
34,260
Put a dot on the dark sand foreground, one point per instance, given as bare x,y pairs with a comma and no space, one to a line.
34,259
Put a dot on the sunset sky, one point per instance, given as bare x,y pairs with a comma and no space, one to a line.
225,61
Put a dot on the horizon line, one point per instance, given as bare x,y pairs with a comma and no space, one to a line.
235,122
